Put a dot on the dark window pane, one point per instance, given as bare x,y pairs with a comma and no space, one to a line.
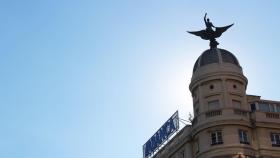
213,105
264,107
253,107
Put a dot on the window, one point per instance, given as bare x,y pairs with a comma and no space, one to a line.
264,107
275,139
216,138
236,104
271,108
182,154
243,137
277,108
213,105
253,107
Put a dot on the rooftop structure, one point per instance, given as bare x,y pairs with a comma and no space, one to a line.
228,123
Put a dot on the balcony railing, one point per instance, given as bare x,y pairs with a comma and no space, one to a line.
272,115
213,113
240,112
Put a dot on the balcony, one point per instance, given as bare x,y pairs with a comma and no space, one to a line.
222,115
272,115
213,113
267,117
240,112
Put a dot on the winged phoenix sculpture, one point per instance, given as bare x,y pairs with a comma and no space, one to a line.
209,33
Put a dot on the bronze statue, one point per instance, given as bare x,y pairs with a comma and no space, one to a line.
209,33
208,24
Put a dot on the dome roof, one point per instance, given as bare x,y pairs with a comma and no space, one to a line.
216,55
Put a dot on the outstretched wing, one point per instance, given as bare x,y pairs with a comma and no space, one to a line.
219,30
210,34
203,34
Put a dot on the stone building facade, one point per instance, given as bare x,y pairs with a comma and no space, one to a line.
228,123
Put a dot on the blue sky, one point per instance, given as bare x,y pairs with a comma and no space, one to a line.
88,79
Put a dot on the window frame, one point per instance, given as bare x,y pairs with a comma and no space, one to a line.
264,107
236,102
243,136
253,107
216,137
212,106
182,154
277,108
275,139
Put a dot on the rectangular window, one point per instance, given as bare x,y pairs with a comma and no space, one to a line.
271,108
236,104
216,138
264,107
275,139
253,107
212,105
182,154
243,136
277,108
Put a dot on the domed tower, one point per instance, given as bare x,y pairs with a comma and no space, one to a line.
227,122
218,82
221,125
221,116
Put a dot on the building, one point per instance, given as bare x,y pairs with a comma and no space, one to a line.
228,123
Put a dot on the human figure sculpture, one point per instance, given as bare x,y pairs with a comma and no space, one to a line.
209,33
208,24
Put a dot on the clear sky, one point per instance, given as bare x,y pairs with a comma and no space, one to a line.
96,79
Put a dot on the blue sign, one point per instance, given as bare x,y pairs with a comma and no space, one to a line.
165,131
